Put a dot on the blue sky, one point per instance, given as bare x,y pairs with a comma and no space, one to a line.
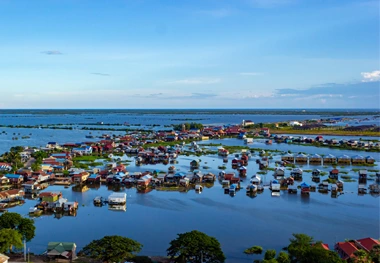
189,54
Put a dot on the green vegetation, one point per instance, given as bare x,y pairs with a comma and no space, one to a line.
22,225
196,247
188,126
112,249
254,250
9,238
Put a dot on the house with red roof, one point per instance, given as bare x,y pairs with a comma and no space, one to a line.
347,249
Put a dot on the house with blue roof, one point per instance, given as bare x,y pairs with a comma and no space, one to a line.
15,179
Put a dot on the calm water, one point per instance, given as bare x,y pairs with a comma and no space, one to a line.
237,222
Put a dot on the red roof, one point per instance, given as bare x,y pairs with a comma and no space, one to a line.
368,242
348,248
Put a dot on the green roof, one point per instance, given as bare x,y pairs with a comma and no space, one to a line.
61,246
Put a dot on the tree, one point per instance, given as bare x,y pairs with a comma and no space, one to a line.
374,253
254,250
9,238
112,249
196,247
299,245
270,254
15,221
283,257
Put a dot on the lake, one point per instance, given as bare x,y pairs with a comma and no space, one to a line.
238,222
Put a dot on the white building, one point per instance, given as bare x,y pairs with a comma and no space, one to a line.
295,123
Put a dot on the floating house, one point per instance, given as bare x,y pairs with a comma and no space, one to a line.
329,159
255,179
209,177
15,179
358,159
296,173
243,171
362,176
275,187
194,164
301,158
198,188
334,174
223,152
344,159
370,160
315,159
288,157
292,189
279,173
93,178
144,181
305,188
117,199
251,189
184,182
316,175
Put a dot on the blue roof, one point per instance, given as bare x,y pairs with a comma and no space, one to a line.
274,182
93,176
13,176
305,185
180,174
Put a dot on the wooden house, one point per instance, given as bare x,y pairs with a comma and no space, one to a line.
315,159
329,159
255,179
4,181
80,178
296,173
194,164
61,251
184,182
316,175
301,158
93,178
370,160
362,176
358,159
305,188
15,179
288,157
209,177
144,181
334,174
279,173
50,196
243,171
344,159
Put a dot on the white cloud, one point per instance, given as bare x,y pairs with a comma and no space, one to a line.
195,81
251,73
371,76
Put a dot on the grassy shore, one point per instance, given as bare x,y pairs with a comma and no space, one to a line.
332,132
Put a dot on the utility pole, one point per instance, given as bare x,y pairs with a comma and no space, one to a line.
24,250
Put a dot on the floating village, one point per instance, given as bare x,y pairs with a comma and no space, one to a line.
106,161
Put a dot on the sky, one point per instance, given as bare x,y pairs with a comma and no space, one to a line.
189,54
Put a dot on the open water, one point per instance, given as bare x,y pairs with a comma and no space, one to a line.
238,222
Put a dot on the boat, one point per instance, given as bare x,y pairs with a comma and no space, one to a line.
117,199
251,189
232,189
34,211
248,140
198,188
98,200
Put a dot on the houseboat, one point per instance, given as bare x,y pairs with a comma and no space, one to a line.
344,159
275,188
305,188
329,159
370,160
334,174
279,173
288,158
117,199
301,158
98,200
315,159
296,173
251,189
255,179
198,188
248,140
292,189
316,175
358,159
362,176
232,189
34,211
